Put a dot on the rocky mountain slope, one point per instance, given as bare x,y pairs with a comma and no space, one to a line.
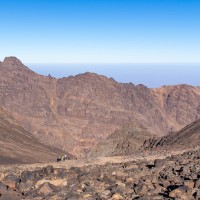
124,141
189,136
19,146
131,138
76,113
148,178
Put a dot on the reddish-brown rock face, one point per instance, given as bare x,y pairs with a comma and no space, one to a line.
125,141
77,112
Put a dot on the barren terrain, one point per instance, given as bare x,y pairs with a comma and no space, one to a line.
78,112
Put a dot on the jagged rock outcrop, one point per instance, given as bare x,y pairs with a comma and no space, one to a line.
124,141
18,146
76,113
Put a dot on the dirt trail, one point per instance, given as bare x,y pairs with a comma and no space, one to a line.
148,155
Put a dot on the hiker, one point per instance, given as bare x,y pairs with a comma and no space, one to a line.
59,159
65,157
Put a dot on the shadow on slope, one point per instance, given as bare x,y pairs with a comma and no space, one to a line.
189,136
19,146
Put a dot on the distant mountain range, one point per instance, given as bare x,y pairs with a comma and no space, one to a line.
78,112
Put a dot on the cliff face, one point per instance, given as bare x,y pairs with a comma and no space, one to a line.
76,113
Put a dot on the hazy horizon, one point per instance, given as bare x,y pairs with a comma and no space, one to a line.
151,75
151,42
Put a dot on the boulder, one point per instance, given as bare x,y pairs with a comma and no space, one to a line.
117,197
189,184
45,189
11,181
159,163
180,193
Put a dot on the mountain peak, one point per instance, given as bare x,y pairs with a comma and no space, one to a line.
12,60
13,63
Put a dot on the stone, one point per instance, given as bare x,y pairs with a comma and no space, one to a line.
197,184
141,188
181,193
117,197
106,194
121,175
165,183
65,182
122,185
3,188
25,187
159,163
48,170
45,189
87,196
27,175
10,196
55,197
11,181
129,180
55,182
197,195
189,184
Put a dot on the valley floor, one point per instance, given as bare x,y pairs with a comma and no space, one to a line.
148,155
153,174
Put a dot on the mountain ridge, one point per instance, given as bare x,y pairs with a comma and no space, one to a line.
77,112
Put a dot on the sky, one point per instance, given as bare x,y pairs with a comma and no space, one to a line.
101,32
151,75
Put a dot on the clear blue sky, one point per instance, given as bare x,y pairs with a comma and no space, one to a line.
44,34
100,31
151,75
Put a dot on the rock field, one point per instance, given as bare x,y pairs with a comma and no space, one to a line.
172,177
